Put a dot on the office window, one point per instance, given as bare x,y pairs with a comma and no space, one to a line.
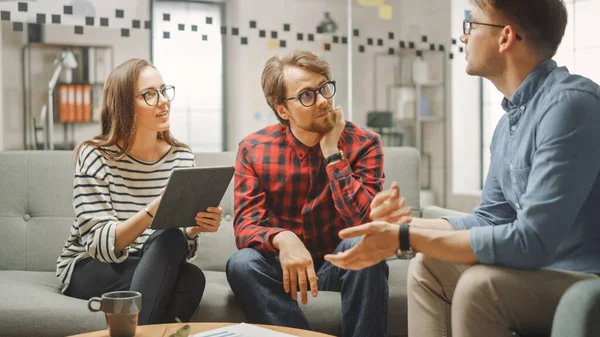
188,51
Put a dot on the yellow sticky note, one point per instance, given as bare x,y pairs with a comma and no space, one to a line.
273,44
370,2
385,12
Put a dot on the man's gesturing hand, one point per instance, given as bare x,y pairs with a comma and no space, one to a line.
297,264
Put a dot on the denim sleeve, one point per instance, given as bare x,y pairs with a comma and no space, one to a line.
565,165
493,207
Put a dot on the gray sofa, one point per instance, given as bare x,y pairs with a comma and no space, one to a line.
36,213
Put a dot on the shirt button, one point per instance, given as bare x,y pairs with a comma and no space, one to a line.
518,206
513,128
522,107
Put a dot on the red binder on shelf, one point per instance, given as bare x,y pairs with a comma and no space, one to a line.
71,103
78,102
63,99
87,103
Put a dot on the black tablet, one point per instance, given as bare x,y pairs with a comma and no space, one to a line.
189,191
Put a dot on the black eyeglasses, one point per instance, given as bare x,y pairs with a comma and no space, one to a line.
468,27
152,95
309,97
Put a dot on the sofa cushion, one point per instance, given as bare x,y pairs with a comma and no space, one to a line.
32,305
397,321
218,303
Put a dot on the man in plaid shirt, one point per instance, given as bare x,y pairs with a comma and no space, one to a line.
297,184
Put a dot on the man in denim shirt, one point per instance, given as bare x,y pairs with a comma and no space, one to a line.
536,230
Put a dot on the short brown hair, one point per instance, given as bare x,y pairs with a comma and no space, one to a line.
543,21
117,111
272,80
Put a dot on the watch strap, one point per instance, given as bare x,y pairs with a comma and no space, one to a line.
403,237
334,157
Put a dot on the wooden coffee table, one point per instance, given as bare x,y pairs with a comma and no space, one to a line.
164,330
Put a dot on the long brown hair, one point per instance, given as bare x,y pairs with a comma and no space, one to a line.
118,111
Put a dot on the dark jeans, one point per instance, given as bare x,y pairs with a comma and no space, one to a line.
257,283
170,286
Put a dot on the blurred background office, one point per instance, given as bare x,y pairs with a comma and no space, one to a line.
398,64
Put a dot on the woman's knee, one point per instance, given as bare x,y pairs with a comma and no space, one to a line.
173,238
194,278
173,235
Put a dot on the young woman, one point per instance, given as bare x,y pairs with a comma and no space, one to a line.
119,176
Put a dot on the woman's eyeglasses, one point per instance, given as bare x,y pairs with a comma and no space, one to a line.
152,96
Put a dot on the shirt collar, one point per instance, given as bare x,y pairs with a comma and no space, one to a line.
300,148
530,86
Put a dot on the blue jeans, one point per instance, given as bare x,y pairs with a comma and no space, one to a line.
257,283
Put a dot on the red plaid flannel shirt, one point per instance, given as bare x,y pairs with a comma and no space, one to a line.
282,184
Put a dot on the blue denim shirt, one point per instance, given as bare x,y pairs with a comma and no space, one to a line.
540,206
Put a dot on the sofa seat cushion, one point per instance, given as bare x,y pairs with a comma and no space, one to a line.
32,305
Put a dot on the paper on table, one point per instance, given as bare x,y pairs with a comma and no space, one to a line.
241,330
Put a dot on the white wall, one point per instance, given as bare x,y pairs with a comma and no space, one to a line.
1,100
11,94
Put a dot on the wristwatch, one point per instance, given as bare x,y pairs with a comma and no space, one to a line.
405,251
336,156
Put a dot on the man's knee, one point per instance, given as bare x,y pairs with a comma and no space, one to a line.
420,268
476,284
348,243
243,263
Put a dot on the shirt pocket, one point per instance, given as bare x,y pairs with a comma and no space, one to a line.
519,178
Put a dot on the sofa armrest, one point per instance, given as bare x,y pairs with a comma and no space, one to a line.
578,311
435,212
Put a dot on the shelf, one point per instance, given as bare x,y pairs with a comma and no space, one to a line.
430,84
414,85
422,119
431,119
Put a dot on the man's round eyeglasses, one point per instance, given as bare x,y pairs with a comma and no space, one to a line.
152,96
468,27
309,97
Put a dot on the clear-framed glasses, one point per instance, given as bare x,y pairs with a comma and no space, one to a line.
151,96
309,97
468,27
